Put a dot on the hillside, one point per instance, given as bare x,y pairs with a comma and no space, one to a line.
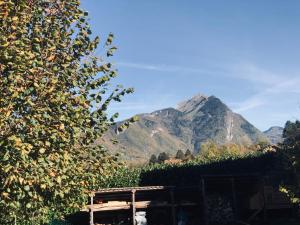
193,122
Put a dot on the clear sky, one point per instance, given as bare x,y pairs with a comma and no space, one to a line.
245,52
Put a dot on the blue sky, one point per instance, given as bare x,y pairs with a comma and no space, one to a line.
247,53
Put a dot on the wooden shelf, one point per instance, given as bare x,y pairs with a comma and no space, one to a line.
122,205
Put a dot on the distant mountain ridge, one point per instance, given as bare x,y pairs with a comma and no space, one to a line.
274,134
192,123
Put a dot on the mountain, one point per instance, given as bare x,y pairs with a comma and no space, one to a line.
193,122
274,134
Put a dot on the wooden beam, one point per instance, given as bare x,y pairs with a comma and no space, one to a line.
138,205
265,213
173,206
129,189
133,206
234,199
204,202
254,215
91,210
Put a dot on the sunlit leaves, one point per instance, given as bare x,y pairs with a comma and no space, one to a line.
109,39
53,100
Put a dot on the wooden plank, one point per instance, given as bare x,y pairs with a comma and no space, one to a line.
91,210
254,215
264,198
138,205
129,189
133,207
173,207
204,202
234,199
91,217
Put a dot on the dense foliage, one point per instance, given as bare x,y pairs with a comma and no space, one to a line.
164,157
210,151
54,95
291,151
190,172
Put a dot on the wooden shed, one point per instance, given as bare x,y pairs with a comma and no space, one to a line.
246,197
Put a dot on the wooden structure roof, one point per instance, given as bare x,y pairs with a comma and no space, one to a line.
130,189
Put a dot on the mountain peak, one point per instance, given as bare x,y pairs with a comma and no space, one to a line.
194,122
191,104
275,128
274,134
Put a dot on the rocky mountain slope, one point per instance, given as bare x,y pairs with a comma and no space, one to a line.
193,122
274,134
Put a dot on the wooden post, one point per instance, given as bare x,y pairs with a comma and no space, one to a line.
234,200
133,206
173,206
91,210
204,202
264,198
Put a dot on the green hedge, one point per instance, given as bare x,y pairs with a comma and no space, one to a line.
190,172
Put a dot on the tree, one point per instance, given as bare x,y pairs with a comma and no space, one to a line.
53,100
210,151
162,157
179,154
291,152
291,135
188,155
153,159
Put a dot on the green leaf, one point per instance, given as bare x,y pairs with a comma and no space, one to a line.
26,188
42,150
